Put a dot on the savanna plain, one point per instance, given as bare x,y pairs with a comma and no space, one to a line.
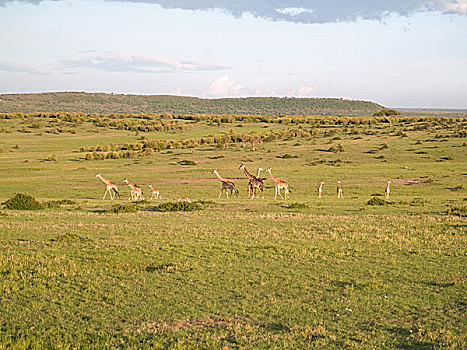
192,270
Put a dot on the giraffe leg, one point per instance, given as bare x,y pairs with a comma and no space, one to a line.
227,194
279,191
220,194
105,193
275,194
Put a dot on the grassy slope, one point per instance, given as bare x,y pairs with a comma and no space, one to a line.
110,103
239,273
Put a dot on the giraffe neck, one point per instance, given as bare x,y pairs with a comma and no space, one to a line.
248,175
220,177
103,179
275,179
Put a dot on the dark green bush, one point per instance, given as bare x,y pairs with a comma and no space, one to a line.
378,201
297,206
123,208
179,206
22,201
286,156
386,112
187,162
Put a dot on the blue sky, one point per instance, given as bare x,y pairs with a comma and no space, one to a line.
409,53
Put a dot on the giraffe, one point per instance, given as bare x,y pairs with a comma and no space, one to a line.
136,191
256,183
226,185
339,190
250,186
155,193
387,190
320,189
279,184
110,187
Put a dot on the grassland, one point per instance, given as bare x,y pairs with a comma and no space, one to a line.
238,273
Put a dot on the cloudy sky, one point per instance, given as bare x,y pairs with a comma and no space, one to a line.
410,53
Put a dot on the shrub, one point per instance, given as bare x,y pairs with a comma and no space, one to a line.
297,206
179,206
22,201
457,210
336,149
384,145
52,158
457,188
378,201
187,162
123,208
386,112
286,156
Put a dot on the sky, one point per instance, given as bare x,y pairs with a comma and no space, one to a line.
410,53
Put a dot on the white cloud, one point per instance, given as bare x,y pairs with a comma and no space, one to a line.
304,91
140,63
459,6
178,91
265,92
223,87
18,68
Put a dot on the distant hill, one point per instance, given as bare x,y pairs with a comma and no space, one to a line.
114,103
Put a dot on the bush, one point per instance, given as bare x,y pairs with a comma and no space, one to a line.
22,201
187,162
123,208
179,206
378,201
386,113
457,210
297,206
286,156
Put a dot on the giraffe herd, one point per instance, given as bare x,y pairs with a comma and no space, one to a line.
255,187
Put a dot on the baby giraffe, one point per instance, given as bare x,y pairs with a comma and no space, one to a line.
135,191
155,193
279,184
320,189
387,190
339,190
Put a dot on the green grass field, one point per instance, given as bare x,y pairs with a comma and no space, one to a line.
239,273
